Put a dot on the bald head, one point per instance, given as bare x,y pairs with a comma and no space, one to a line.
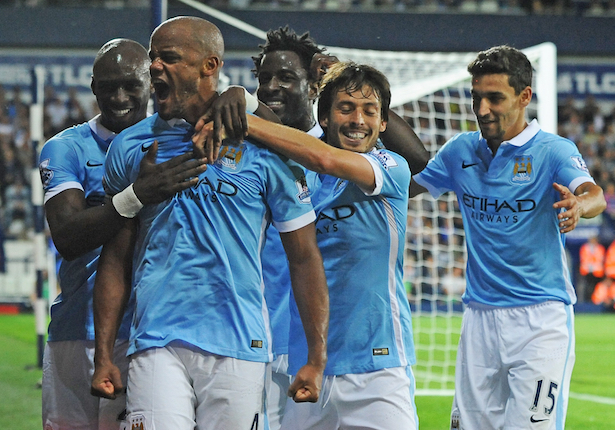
122,52
121,83
186,54
200,33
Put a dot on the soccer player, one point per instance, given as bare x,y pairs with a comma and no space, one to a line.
288,69
519,189
71,166
201,339
284,85
360,194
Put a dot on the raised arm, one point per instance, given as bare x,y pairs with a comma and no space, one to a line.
313,153
111,294
400,138
586,202
312,296
77,228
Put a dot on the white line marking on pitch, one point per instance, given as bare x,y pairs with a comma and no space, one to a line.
592,398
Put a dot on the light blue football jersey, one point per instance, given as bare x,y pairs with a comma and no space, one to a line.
197,266
277,282
516,255
361,237
74,159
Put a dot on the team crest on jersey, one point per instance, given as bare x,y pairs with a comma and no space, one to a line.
304,192
522,171
230,156
579,163
137,422
46,172
385,159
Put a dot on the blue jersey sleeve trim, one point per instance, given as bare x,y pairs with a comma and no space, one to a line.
295,224
377,176
62,187
434,191
579,181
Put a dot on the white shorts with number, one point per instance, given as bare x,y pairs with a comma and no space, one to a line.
181,387
68,367
514,367
380,400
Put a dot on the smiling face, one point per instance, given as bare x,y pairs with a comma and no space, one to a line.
284,87
499,111
121,84
354,121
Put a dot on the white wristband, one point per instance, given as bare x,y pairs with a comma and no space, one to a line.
251,102
126,202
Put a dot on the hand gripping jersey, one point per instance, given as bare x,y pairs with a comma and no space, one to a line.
516,255
74,159
197,267
361,237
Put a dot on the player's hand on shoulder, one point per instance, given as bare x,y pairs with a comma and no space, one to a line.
158,182
320,64
307,384
107,381
227,113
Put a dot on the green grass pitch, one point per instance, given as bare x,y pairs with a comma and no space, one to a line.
592,401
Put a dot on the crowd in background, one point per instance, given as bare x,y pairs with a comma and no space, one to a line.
515,7
587,123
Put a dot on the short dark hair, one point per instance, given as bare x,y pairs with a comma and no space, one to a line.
507,60
349,77
285,39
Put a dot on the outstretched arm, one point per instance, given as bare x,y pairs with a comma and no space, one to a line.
111,293
313,153
312,296
586,202
77,228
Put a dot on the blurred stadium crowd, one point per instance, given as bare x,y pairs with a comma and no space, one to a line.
515,7
587,123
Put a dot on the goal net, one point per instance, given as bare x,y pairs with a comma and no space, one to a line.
432,92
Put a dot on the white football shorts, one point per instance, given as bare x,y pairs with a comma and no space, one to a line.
68,367
182,387
276,391
380,400
514,367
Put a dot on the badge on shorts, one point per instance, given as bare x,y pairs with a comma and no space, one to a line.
137,422
455,421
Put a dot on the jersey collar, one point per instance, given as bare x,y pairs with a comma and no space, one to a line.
100,130
526,135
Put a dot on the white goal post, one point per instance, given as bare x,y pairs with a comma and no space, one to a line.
432,92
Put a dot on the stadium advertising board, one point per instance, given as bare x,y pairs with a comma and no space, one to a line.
66,69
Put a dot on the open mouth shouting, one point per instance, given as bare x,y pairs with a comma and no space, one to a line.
162,89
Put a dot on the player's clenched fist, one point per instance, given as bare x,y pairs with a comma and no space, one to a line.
306,385
107,381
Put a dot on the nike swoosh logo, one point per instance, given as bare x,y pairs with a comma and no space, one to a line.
465,166
532,420
92,164
145,148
